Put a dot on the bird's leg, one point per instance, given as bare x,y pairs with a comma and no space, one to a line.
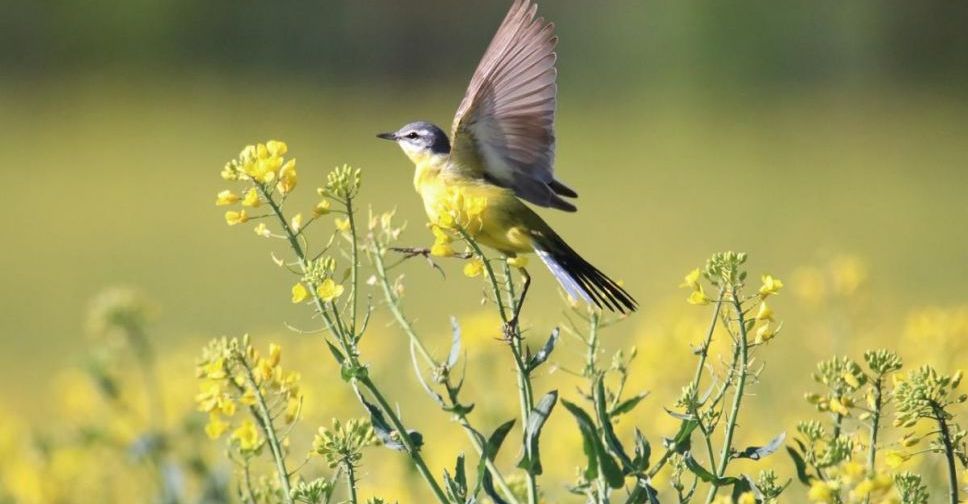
409,252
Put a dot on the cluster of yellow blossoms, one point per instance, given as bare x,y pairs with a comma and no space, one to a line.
234,374
850,483
768,328
262,164
455,211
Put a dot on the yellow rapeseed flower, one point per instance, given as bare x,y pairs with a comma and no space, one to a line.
226,197
215,426
766,332
299,293
765,312
691,280
746,498
322,208
276,147
895,458
342,225
275,354
698,297
287,177
474,268
252,198
851,380
329,290
247,436
296,222
837,406
262,230
821,492
771,285
232,217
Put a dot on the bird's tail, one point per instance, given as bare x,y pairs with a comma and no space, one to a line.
578,277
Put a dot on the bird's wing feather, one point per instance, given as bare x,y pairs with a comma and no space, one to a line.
504,127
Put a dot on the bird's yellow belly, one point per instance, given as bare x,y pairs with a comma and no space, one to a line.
503,223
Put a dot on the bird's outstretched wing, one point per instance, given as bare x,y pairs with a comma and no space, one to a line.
504,127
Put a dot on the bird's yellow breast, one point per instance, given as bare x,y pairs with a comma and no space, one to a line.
505,223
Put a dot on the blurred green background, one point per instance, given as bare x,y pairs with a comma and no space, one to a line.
792,130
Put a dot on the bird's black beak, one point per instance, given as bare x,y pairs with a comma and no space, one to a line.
387,136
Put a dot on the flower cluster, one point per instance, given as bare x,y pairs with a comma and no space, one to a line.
842,378
263,165
460,210
318,276
343,443
925,393
723,270
234,374
851,483
342,183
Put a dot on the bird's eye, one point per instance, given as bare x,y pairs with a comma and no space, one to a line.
412,135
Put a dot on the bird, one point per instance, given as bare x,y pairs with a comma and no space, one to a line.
502,149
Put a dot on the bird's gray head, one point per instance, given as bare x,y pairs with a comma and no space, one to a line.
419,140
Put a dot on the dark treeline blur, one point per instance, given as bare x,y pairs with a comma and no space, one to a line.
759,41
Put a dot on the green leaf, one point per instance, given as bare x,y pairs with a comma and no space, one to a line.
682,441
454,345
545,352
531,458
612,442
643,452
800,464
627,405
758,452
704,474
604,463
335,351
491,446
643,493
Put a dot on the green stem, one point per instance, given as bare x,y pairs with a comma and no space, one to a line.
725,454
349,349
350,481
266,421
697,376
394,304
404,438
875,427
355,267
949,452
525,391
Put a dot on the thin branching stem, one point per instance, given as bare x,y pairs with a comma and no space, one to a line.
265,419
875,426
348,344
393,302
525,390
949,452
350,481
742,373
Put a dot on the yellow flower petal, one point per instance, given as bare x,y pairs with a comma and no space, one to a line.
691,280
342,224
474,268
276,148
771,285
764,313
329,290
299,293
698,297
262,230
252,198
215,426
322,208
232,218
226,197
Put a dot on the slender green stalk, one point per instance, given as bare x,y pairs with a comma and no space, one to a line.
354,268
697,376
350,481
949,453
271,439
875,427
351,354
394,304
525,390
743,373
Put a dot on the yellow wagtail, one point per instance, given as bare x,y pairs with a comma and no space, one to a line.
503,149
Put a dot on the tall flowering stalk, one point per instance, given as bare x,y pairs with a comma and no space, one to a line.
269,180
